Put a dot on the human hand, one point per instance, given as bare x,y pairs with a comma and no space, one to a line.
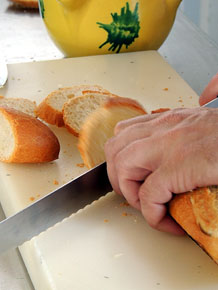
210,92
153,156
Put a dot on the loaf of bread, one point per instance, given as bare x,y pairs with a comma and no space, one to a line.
99,127
197,213
20,104
51,108
25,139
26,3
76,110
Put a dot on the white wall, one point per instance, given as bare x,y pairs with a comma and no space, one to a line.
204,13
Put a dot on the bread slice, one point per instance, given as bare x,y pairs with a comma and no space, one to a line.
25,139
50,109
76,110
26,3
20,104
99,127
197,213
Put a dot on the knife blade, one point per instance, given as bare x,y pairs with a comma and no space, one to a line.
3,72
212,104
54,207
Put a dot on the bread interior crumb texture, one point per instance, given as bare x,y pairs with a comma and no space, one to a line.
7,142
23,105
79,108
58,98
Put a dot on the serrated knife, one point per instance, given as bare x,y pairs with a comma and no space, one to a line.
57,205
54,207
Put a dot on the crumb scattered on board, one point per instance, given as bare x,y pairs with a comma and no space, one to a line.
124,204
80,164
32,198
55,182
126,214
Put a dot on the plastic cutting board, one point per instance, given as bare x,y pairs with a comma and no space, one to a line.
107,245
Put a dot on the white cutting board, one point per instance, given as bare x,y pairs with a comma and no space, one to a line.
106,246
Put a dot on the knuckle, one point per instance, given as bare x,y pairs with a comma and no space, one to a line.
119,127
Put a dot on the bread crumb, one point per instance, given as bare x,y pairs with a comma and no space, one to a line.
32,198
106,220
124,204
165,89
80,164
180,101
55,182
126,214
38,195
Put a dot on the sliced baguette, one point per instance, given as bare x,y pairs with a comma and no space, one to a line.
50,109
25,139
99,127
76,110
20,104
197,213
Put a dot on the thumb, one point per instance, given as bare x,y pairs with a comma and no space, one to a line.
210,92
153,196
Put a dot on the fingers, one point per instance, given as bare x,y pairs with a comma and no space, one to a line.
210,92
118,143
153,195
133,121
125,163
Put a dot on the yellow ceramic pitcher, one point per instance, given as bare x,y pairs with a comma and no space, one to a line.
90,27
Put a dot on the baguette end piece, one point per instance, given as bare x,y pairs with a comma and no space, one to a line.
30,141
197,213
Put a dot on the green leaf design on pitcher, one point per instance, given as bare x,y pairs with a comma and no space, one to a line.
42,8
123,29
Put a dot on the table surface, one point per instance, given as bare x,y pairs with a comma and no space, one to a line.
24,39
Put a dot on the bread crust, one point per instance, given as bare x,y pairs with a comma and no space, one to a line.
47,113
34,141
124,102
26,4
196,213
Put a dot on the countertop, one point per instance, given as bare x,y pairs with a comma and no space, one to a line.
24,39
